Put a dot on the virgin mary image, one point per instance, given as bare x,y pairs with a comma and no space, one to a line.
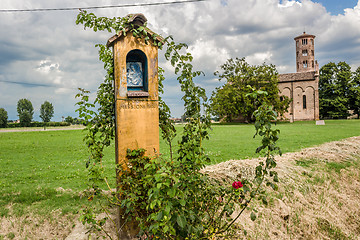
134,74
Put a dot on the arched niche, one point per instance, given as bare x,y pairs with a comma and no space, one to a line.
286,92
137,74
310,97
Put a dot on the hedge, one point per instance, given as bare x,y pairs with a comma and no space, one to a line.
40,124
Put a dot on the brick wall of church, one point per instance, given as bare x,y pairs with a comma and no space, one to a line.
303,89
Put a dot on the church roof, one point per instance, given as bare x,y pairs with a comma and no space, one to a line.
299,76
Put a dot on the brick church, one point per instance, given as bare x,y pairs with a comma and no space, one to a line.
303,86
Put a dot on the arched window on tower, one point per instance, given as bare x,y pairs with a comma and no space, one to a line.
304,41
312,63
304,101
312,52
304,52
312,41
305,64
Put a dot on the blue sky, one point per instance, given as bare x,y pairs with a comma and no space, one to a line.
45,56
336,7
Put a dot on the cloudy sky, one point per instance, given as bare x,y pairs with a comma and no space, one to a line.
45,56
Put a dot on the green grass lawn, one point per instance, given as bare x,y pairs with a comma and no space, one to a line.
235,141
34,164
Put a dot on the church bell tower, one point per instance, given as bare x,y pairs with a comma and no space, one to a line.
305,57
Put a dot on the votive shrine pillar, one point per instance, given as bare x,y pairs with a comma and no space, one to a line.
136,96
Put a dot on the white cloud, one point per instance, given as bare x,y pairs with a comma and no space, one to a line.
208,54
286,4
46,67
259,58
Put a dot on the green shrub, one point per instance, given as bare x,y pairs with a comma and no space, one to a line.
40,124
3,118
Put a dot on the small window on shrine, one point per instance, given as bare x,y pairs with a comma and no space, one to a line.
136,74
304,101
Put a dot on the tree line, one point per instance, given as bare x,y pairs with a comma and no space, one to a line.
339,91
25,112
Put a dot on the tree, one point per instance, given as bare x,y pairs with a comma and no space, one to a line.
335,90
25,112
69,119
46,111
3,118
355,92
230,100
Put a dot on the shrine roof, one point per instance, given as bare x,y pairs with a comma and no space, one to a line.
137,19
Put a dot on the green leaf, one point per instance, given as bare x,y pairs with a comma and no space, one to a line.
160,216
182,202
171,192
253,216
181,221
167,209
264,200
276,178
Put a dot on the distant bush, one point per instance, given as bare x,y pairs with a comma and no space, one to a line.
3,118
40,124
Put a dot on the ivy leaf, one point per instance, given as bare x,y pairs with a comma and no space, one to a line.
176,70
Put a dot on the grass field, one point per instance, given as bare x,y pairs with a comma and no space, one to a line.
237,142
35,164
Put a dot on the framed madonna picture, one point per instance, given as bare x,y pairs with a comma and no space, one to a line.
134,73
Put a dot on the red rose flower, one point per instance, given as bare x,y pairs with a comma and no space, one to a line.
237,185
